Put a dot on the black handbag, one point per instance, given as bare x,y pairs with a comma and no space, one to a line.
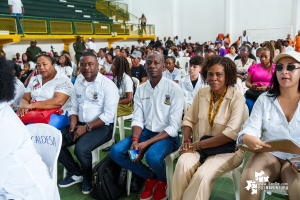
250,94
225,148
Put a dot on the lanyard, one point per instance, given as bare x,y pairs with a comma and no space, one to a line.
211,120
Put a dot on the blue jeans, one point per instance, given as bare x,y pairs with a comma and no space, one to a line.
250,104
20,16
83,148
154,156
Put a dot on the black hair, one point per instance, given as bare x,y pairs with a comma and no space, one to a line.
227,63
88,53
14,67
199,49
235,47
7,81
196,60
65,52
111,54
174,61
160,47
126,51
28,57
67,61
121,65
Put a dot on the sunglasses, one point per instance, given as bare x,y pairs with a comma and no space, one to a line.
43,53
289,67
244,51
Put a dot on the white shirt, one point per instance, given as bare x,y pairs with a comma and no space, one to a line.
230,56
23,173
91,45
174,76
253,51
188,89
19,92
289,48
108,67
158,109
177,42
244,39
189,41
267,115
181,53
73,68
257,60
126,85
163,43
140,44
66,70
91,100
32,65
60,83
142,62
16,6
101,61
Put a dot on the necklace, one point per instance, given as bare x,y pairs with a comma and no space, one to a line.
286,99
293,106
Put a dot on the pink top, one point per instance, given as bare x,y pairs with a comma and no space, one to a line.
192,55
260,75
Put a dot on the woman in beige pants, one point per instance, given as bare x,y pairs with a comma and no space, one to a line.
217,110
277,113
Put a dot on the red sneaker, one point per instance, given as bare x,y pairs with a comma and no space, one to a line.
161,191
147,194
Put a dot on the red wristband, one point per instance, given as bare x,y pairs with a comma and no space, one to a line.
188,140
135,139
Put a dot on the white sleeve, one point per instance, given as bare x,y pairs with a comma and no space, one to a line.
138,116
178,75
74,110
69,70
64,85
19,92
30,85
175,114
32,65
10,2
111,101
128,85
253,125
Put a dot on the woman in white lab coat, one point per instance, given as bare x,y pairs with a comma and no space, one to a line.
23,174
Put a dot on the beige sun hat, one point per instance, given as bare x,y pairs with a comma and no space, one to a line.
292,54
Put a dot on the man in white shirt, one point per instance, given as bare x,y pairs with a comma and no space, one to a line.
287,47
177,41
140,44
163,43
189,41
94,105
255,47
101,58
244,38
16,7
91,45
158,106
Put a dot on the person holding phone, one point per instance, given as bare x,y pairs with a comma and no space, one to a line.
158,106
259,76
277,112
94,104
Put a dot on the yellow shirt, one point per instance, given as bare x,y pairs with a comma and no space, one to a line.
227,121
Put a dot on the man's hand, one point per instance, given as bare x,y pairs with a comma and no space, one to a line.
143,147
185,148
80,130
72,128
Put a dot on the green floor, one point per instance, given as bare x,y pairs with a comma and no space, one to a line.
222,190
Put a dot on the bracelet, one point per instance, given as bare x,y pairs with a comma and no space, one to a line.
35,106
30,107
135,139
188,140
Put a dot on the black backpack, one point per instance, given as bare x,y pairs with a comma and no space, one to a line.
109,180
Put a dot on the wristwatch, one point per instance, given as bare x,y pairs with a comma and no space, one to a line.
88,128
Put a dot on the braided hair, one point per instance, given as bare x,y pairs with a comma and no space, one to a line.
269,47
174,61
121,65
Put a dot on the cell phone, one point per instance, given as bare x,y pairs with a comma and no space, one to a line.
297,163
133,154
254,86
70,137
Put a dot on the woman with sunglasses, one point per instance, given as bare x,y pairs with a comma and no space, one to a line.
243,64
259,76
277,112
48,90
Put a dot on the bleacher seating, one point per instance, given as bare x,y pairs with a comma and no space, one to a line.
59,9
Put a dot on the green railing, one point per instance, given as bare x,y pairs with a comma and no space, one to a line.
56,26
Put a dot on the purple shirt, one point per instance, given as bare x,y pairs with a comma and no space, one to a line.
222,52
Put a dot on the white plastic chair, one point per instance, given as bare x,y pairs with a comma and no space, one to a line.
235,175
169,165
95,153
48,152
182,62
123,118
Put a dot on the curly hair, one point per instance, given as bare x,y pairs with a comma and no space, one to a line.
121,65
196,60
67,61
7,81
227,63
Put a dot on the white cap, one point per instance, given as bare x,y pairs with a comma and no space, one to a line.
292,54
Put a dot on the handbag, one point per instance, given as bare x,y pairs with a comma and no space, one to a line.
39,115
250,94
225,148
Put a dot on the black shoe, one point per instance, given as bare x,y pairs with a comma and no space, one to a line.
108,148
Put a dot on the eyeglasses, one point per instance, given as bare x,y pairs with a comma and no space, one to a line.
244,51
289,67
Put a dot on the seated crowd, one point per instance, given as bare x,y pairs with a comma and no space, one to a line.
152,82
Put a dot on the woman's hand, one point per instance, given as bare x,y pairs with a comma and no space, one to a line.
22,110
263,87
254,143
295,168
185,148
240,76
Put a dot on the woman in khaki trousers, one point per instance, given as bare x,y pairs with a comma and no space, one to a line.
217,110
